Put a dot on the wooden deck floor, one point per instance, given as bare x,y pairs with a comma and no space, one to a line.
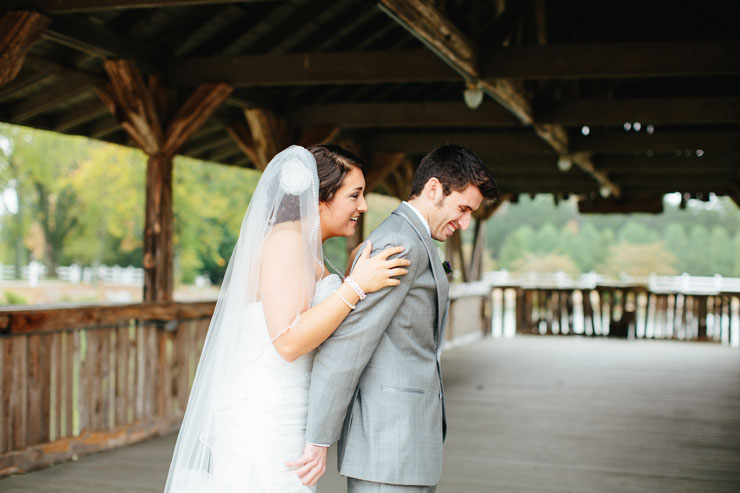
534,414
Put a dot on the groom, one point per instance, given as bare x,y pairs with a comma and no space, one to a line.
376,383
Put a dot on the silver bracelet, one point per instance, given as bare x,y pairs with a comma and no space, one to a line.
355,287
350,305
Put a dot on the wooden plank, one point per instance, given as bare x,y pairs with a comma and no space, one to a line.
141,359
153,381
74,409
164,378
106,381
34,390
615,60
121,365
69,361
25,321
18,401
308,69
83,396
185,347
4,395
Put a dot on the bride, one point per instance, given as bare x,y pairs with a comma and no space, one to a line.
246,413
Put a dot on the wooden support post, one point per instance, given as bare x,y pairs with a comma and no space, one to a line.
146,113
18,31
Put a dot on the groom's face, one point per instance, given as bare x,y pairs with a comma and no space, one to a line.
452,212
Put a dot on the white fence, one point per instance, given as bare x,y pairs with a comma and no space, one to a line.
33,272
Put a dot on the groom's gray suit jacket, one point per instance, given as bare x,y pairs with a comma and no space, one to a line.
377,380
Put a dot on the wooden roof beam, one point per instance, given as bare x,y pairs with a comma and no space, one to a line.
426,22
30,108
99,41
72,6
655,111
660,141
617,60
299,69
595,112
384,115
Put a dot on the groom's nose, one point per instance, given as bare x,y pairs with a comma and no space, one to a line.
464,221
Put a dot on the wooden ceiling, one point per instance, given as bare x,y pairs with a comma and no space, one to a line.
563,79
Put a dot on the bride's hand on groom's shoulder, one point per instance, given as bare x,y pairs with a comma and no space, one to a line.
377,272
312,464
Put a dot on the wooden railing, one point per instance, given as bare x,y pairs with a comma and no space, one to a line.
77,380
617,311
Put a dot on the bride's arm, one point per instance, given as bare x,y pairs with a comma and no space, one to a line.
283,290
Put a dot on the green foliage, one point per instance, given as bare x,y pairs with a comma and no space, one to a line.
13,298
696,240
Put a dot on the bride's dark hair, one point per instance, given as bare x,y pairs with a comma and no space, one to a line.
332,163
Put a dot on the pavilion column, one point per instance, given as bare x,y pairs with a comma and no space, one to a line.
147,113
19,29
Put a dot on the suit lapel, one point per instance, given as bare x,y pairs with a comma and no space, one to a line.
440,278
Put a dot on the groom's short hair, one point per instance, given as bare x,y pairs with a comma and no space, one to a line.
455,167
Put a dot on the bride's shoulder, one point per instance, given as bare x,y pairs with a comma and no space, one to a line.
283,241
287,231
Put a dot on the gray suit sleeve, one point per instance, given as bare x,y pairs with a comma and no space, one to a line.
342,358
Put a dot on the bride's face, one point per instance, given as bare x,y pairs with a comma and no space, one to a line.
339,216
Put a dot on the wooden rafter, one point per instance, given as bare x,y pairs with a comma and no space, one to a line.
146,112
431,27
427,23
18,31
300,69
381,165
71,6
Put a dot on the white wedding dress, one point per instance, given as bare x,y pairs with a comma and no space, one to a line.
261,421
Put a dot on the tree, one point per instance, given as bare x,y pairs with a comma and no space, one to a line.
636,233
45,161
697,258
677,243
639,260
545,240
721,251
110,190
515,246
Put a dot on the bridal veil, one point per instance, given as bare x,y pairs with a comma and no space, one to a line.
286,196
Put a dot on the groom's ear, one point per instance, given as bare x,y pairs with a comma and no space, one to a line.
433,189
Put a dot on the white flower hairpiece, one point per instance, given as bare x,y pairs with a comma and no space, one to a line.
294,177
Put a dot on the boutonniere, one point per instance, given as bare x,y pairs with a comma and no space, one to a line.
447,267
